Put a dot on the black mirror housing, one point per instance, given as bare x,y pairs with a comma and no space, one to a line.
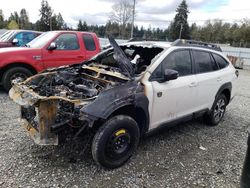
170,74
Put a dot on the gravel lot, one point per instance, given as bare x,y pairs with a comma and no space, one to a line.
188,155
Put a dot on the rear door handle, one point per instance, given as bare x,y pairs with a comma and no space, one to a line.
193,84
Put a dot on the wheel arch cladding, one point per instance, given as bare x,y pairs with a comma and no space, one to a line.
124,99
137,113
226,90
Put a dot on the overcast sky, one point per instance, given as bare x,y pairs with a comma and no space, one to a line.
154,13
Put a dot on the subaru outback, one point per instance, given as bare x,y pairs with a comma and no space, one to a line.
124,93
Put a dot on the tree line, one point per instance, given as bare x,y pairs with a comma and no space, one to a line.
48,20
119,25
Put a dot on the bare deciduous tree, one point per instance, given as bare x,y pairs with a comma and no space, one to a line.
122,14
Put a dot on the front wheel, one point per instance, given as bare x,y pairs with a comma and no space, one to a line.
115,141
13,73
218,110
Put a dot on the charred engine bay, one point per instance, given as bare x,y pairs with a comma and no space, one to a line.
77,82
87,80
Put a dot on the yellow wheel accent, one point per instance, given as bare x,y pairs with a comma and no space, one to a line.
120,132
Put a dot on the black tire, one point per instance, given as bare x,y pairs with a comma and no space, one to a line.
115,141
13,73
218,110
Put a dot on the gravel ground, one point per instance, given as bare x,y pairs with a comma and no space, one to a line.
187,155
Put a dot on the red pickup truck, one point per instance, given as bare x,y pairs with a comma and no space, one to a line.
51,49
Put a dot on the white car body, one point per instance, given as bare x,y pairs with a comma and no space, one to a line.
187,94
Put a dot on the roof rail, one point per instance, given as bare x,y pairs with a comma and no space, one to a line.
182,42
139,39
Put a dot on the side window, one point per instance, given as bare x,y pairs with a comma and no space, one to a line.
220,61
204,62
158,73
89,42
179,61
67,41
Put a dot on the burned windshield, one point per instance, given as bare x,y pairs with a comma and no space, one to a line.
87,80
140,57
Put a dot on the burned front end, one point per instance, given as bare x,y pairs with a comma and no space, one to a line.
52,100
77,96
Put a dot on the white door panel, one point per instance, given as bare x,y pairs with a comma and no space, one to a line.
209,84
173,99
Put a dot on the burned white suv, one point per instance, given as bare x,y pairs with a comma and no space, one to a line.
126,92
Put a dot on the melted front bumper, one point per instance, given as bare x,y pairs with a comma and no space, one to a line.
37,115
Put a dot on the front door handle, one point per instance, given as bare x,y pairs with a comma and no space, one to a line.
159,94
193,84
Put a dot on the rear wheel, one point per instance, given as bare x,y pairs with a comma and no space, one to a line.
218,110
115,142
13,73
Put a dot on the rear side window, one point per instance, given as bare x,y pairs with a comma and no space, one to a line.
204,62
220,61
89,42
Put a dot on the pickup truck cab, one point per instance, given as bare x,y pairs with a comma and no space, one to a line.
51,49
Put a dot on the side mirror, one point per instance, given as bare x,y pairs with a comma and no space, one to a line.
170,74
15,41
52,46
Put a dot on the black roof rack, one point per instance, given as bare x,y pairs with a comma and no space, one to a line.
139,39
193,43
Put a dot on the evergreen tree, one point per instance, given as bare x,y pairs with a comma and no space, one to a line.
44,24
85,26
2,21
24,22
14,16
112,29
80,26
180,28
58,22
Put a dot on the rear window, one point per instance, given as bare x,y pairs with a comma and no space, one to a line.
220,61
89,42
204,62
